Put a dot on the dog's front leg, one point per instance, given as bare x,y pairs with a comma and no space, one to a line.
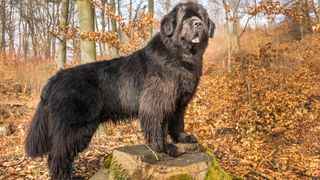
157,107
176,129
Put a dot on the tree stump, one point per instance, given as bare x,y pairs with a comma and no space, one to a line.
140,162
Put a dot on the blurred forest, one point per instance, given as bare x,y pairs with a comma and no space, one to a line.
257,106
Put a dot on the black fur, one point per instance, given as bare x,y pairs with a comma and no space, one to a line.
155,84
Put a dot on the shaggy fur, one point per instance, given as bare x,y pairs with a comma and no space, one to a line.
155,84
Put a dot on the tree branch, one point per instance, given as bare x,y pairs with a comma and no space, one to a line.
245,27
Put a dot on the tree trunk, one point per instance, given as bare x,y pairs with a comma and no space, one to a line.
62,55
313,6
25,43
318,8
300,20
228,35
306,13
11,31
130,10
103,26
113,26
54,41
3,29
96,23
86,18
151,11
119,28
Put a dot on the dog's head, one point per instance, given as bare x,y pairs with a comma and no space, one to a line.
187,24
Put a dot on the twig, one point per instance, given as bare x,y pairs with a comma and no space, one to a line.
154,153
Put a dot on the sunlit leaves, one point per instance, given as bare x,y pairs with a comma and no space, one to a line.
136,31
271,8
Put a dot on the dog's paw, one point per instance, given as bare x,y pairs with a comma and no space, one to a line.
172,150
190,139
186,138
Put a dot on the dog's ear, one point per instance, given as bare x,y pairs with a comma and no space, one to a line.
212,27
169,23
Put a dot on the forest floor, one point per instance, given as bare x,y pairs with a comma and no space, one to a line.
262,119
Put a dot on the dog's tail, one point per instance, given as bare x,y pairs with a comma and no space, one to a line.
37,141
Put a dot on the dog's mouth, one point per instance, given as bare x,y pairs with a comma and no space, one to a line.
196,40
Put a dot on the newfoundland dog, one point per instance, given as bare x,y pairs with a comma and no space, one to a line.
154,84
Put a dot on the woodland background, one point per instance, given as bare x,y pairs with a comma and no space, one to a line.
257,106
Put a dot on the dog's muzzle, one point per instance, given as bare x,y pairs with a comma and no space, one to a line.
197,26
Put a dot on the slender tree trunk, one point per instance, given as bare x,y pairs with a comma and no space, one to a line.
86,18
300,20
11,31
113,26
62,55
313,6
151,11
228,35
130,10
96,23
318,9
103,26
25,43
255,17
20,37
306,13
56,21
119,28
3,29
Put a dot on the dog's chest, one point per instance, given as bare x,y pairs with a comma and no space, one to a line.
188,82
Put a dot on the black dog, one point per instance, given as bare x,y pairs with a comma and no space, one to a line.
155,84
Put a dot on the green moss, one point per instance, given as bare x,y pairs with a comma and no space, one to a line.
117,171
216,172
181,177
107,162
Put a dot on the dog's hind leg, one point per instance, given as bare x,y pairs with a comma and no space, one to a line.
65,146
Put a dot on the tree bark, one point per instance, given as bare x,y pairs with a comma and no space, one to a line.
62,55
86,18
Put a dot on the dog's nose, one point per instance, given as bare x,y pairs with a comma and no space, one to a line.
197,23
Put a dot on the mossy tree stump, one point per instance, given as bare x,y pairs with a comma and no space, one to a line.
140,162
